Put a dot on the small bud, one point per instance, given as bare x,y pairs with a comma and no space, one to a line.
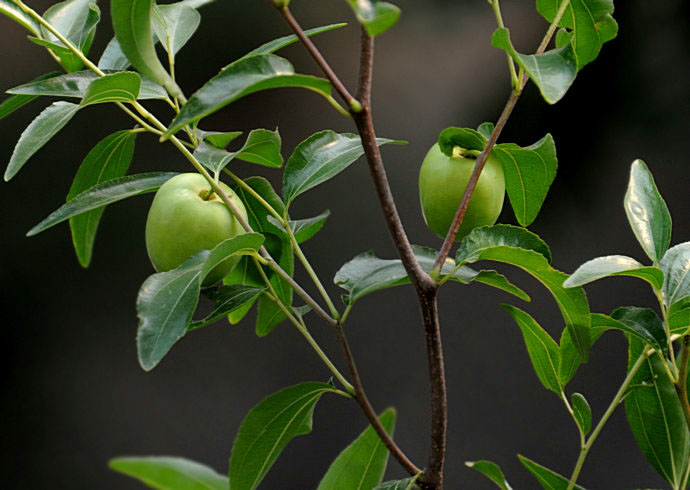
281,4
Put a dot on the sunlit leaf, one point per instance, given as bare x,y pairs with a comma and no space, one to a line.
548,479
175,24
491,471
614,265
118,87
676,268
10,9
166,473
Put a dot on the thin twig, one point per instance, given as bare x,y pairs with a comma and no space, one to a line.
484,155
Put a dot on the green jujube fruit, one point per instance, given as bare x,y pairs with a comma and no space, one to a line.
186,218
442,183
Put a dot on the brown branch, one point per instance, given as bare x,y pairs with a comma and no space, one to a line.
361,398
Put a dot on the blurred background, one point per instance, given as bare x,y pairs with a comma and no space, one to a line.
73,393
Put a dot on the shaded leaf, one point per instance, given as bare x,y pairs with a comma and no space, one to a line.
268,428
108,160
319,158
15,102
582,412
679,317
10,9
175,24
376,16
485,129
113,58
656,418
510,244
529,173
76,85
647,212
404,484
118,87
76,20
166,473
465,138
542,349
491,471
103,194
239,79
304,229
676,268
644,324
132,25
227,299
548,479
261,147
361,465
614,265
553,72
38,133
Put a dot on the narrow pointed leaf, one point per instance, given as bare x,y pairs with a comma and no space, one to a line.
362,464
553,72
515,246
319,158
76,20
103,194
656,418
376,16
542,349
676,268
132,25
108,160
491,471
582,412
589,23
647,212
262,147
239,79
174,25
10,9
227,299
614,265
38,133
268,428
76,85
117,87
276,44
16,102
166,473
304,229
529,173
548,479
165,306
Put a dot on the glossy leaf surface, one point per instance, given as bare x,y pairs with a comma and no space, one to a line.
11,10
491,471
227,299
644,324
404,484
614,265
548,479
175,24
376,16
16,102
262,147
76,20
117,87
167,473
676,268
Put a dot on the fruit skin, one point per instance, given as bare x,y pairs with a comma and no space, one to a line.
442,183
182,223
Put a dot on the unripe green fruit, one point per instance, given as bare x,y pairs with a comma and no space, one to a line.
183,221
442,183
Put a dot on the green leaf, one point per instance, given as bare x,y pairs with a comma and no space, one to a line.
614,265
242,78
261,147
113,58
226,300
132,25
76,20
10,9
679,317
118,87
553,72
174,25
366,274
256,212
465,138
642,323
589,21
103,194
582,412
166,473
676,268
108,160
15,102
529,173
319,158
404,484
244,273
656,418
376,16
76,85
491,471
362,464
268,428
219,139
548,479
304,229
542,349
276,44
485,129
38,133
167,300
269,315
647,212
516,246
165,305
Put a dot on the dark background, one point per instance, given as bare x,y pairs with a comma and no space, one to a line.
73,393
